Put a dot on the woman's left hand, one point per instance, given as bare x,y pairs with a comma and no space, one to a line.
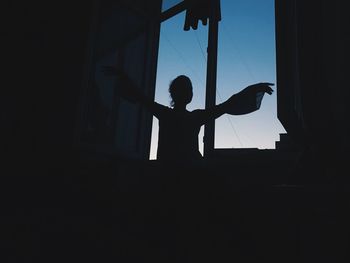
262,87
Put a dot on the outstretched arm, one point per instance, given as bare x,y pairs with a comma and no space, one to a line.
244,102
129,91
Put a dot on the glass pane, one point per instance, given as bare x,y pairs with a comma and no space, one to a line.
246,55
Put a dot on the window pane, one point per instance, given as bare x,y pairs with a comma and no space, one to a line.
246,55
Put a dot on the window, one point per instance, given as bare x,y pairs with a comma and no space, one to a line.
246,55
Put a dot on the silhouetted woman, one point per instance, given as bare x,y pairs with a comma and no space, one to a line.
178,127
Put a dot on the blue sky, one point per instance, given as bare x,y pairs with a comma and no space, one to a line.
246,55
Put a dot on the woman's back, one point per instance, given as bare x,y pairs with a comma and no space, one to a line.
178,135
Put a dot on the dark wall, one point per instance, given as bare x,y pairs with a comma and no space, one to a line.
45,51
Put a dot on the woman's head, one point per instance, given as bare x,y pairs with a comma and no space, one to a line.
181,91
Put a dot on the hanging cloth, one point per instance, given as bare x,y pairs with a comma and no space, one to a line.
248,100
201,10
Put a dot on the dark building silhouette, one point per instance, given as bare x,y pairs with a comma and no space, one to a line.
76,184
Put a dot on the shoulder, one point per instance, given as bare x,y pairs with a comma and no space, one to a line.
160,110
198,111
161,106
198,114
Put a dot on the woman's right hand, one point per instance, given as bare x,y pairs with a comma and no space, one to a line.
126,87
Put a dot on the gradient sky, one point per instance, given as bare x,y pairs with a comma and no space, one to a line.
246,55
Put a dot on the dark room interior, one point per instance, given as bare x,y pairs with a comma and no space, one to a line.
77,184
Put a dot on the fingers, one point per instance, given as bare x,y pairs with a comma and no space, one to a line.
262,84
262,87
266,84
269,91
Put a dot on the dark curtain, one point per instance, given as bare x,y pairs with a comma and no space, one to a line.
322,88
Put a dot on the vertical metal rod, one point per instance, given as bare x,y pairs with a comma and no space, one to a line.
210,95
